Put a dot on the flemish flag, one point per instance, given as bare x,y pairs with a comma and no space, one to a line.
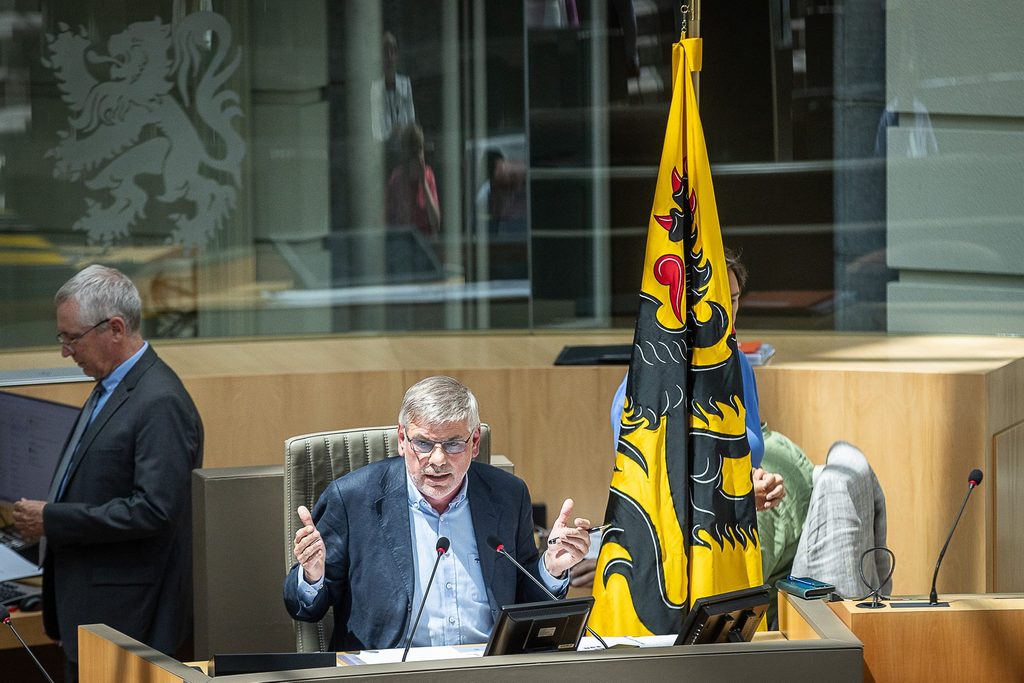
681,503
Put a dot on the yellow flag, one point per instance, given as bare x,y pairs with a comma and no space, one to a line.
681,503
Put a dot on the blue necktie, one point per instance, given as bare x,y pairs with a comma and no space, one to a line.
84,420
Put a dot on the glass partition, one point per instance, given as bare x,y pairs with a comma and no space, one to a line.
312,167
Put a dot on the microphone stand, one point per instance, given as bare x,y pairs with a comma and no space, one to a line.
5,616
500,549
933,597
442,547
973,480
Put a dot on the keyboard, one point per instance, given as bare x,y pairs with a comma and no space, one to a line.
12,592
10,537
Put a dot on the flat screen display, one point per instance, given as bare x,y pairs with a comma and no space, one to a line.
32,437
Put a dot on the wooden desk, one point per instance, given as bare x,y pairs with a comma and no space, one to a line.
976,638
924,409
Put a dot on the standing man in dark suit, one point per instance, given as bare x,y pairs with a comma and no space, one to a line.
369,546
117,525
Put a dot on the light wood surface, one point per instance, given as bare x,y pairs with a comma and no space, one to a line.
1008,517
105,655
976,638
792,623
30,628
925,410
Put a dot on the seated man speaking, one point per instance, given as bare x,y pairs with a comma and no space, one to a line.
371,542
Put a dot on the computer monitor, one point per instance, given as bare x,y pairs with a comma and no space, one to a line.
551,626
725,618
32,436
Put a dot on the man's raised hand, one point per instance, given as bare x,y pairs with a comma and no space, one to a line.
309,547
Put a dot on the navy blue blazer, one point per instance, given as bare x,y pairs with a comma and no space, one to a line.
364,520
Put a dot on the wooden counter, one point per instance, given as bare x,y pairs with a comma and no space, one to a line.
976,638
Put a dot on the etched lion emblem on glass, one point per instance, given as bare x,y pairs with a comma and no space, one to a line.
151,122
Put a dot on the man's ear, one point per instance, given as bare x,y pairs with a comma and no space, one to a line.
403,440
476,441
117,326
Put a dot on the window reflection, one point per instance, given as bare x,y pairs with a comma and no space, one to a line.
244,163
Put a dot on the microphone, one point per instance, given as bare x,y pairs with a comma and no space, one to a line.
442,547
973,479
5,616
499,547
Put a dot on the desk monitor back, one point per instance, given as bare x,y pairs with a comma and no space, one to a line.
550,626
725,618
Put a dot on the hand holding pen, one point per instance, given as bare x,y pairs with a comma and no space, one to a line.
567,543
594,529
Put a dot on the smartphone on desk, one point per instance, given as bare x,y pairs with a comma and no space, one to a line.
805,587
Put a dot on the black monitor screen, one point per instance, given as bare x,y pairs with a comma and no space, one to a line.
540,627
725,618
32,435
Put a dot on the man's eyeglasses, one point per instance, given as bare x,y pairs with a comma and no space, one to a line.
451,447
69,342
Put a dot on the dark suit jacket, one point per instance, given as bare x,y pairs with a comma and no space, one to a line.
119,541
364,520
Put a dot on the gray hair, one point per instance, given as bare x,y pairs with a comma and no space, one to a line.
439,400
102,292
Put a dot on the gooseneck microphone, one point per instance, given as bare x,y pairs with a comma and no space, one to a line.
5,616
973,479
442,547
499,547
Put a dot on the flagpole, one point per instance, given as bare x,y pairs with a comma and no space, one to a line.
690,10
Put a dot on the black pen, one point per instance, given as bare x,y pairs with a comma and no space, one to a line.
552,541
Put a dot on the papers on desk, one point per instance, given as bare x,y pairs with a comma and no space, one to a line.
426,654
416,654
588,644
14,566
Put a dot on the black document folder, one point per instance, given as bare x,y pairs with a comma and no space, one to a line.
611,354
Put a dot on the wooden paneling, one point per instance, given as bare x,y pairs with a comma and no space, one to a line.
925,411
922,434
1008,546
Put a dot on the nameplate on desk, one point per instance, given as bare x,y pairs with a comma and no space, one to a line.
256,662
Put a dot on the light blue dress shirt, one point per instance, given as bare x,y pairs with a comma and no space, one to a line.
457,610
111,381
